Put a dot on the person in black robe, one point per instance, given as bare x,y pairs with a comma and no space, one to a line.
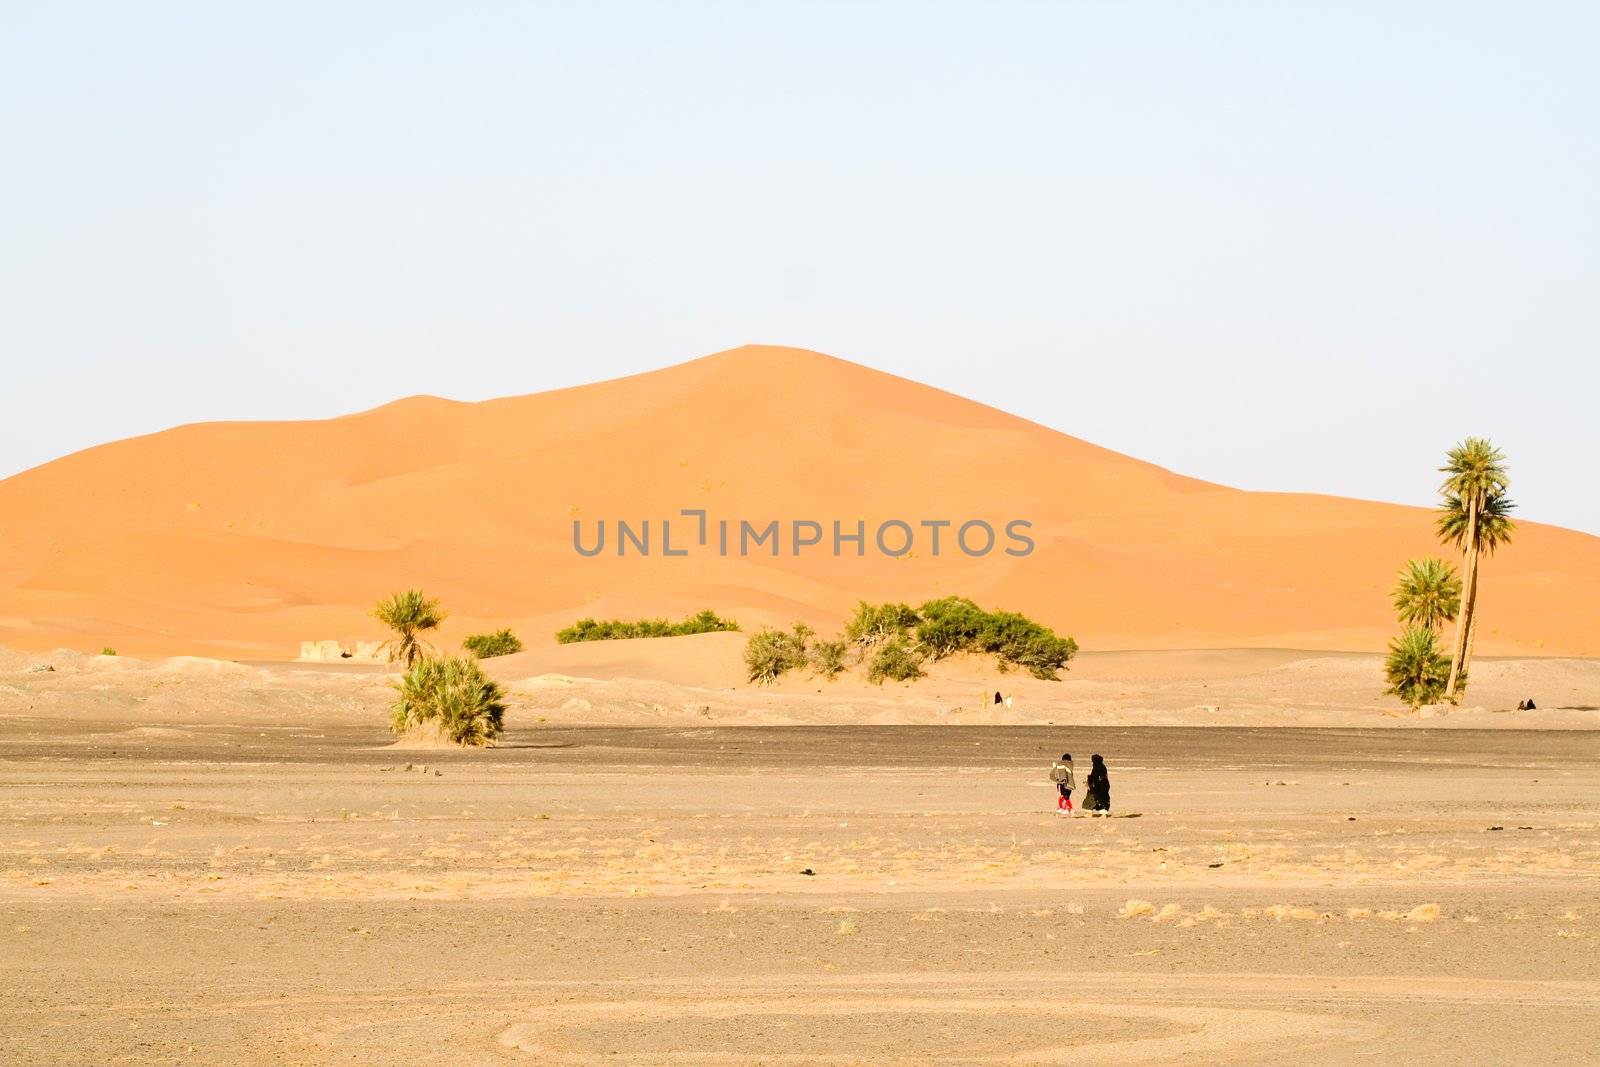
1098,795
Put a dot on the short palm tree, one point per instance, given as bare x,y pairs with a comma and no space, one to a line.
452,694
1475,475
1417,670
409,615
1426,594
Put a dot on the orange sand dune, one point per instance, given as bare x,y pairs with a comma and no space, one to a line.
242,539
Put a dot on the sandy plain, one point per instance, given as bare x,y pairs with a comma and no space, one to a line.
208,862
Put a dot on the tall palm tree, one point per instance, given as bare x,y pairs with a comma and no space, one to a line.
1426,594
1495,528
409,614
1475,472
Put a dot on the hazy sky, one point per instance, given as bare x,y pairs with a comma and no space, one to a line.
1277,245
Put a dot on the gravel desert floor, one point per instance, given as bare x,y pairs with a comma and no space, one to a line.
298,892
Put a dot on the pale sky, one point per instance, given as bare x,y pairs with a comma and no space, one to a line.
1279,246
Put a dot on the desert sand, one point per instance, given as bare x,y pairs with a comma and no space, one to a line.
700,680
211,854
214,862
240,540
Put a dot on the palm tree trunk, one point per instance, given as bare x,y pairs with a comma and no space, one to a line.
1469,586
1472,628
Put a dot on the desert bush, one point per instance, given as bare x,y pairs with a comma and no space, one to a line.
949,625
453,693
873,623
827,658
108,651
1018,640
487,646
408,615
956,624
704,622
893,660
1043,654
894,640
1417,671
771,653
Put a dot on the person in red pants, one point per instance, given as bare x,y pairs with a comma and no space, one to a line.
1061,775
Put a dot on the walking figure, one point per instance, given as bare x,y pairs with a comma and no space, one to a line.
1061,775
1097,797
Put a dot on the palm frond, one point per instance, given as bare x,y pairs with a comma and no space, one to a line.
1474,468
1495,525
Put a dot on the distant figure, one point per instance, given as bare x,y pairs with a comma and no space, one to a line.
1061,775
1526,705
1098,795
998,699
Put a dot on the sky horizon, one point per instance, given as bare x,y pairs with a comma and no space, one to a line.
1295,250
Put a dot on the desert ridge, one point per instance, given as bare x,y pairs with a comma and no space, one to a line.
242,540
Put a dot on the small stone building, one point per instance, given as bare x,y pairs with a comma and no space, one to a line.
356,651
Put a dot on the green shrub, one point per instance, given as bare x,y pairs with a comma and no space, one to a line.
466,704
771,653
1417,671
705,622
487,646
878,622
827,658
1043,654
955,624
1019,640
893,660
949,625
108,651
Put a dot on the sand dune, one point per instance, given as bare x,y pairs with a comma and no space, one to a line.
242,539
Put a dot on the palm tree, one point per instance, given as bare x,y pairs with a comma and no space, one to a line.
453,694
409,615
1474,472
1426,594
1416,669
1495,528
